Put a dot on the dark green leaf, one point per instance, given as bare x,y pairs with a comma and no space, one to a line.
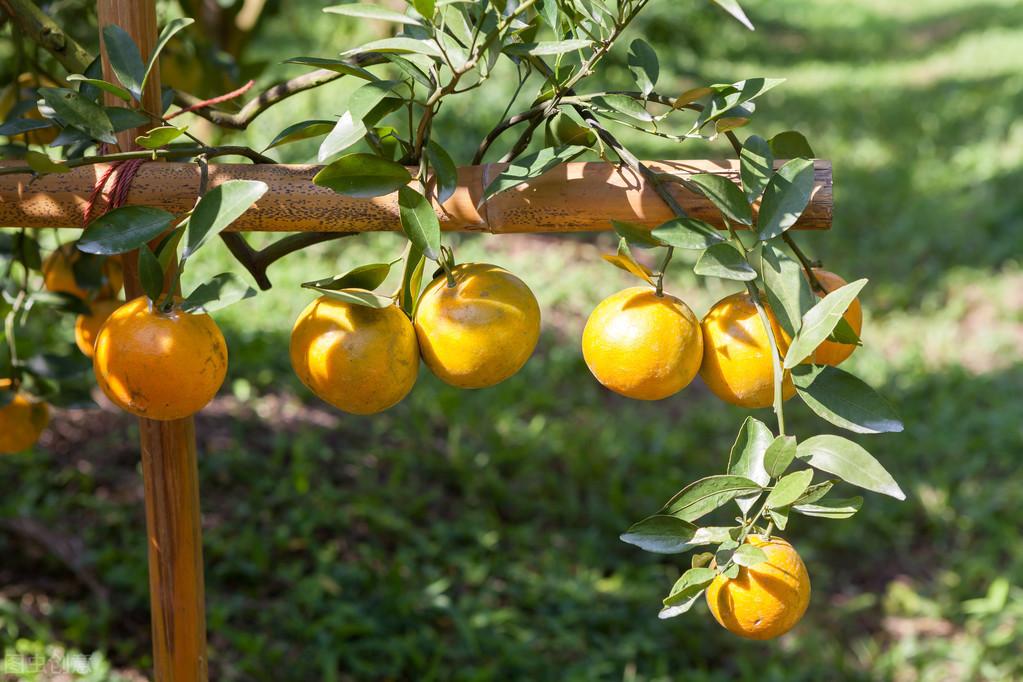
746,457
18,126
358,297
419,222
845,401
623,104
363,176
124,229
168,32
844,333
660,534
779,455
788,291
636,235
123,119
530,166
789,489
217,209
724,261
344,66
301,131
167,249
367,277
756,165
445,172
749,555
546,48
733,8
367,11
687,233
159,137
820,320
707,494
850,462
124,59
79,112
644,65
115,90
785,198
410,69
726,195
686,590
150,273
791,145
832,509
220,292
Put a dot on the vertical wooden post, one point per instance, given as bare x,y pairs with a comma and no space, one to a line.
169,468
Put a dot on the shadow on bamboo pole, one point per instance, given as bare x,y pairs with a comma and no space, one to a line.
169,469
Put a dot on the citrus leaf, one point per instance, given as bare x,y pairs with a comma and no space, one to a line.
687,233
363,176
546,48
150,273
660,534
636,235
43,164
366,11
819,321
746,457
123,119
779,455
756,165
115,90
850,462
789,489
788,292
707,494
342,66
79,112
217,209
832,509
644,65
623,104
221,291
401,45
444,169
735,9
530,166
625,261
419,222
159,137
411,278
749,555
726,195
301,131
357,296
124,229
686,590
790,145
168,32
367,277
346,132
815,492
845,401
724,261
785,198
125,59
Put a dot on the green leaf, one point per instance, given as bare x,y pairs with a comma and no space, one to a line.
724,261
347,131
367,277
123,119
43,164
815,492
217,209
411,70
749,555
115,90
168,246
220,292
124,59
18,126
756,165
660,534
124,229
832,509
623,104
636,235
168,32
788,291
686,590
150,273
343,66
687,233
746,457
785,198
543,49
59,300
625,261
445,172
845,401
361,297
726,195
400,45
844,333
644,65
159,137
733,8
820,320
411,278
425,7
363,176
779,516
562,129
530,166
366,11
850,462
419,222
779,455
789,489
79,112
791,145
301,131
707,494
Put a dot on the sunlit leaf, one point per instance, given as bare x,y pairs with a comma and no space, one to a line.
218,208
219,292
419,222
363,176
845,401
820,320
724,261
850,462
785,198
124,229
660,534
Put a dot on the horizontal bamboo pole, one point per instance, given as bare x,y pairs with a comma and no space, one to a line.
573,197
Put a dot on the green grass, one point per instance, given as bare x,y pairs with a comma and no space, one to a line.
473,535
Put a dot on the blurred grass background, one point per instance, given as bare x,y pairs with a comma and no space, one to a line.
473,535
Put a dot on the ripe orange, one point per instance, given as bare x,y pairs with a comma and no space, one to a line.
480,331
767,600
737,363
59,275
88,326
832,352
360,360
642,345
160,365
21,421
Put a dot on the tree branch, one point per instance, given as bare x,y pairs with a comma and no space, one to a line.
34,24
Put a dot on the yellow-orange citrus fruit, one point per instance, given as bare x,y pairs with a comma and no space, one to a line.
22,419
764,601
88,326
160,365
360,360
59,275
480,331
642,345
26,89
737,364
832,352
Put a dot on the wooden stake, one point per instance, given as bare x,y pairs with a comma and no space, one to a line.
169,469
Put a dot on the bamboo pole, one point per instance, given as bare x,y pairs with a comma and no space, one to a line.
169,466
574,197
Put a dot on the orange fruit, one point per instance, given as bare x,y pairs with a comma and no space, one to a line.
361,360
88,326
480,331
832,352
59,275
737,363
764,601
160,365
642,345
22,420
